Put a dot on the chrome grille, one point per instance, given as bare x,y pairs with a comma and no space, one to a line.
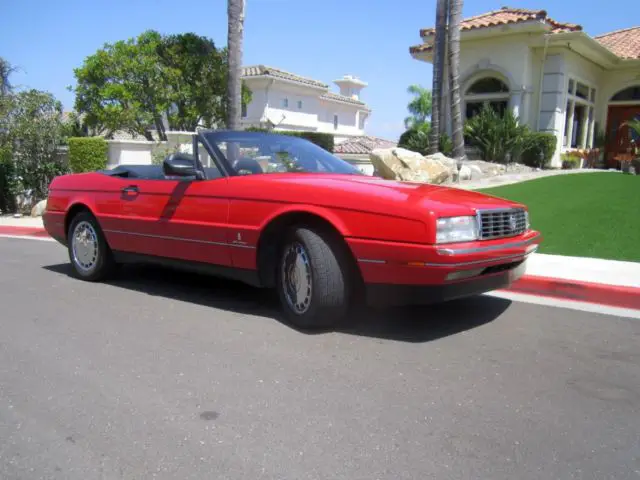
501,223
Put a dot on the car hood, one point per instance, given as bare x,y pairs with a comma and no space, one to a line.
371,194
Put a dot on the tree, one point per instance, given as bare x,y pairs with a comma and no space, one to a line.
35,131
439,46
453,40
235,14
6,69
136,85
416,138
419,107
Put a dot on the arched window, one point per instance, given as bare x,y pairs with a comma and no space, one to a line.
630,94
489,90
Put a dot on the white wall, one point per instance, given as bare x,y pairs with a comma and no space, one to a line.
315,114
129,152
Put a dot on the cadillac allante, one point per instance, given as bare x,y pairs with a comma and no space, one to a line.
279,212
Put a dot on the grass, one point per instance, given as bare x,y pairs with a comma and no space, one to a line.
584,215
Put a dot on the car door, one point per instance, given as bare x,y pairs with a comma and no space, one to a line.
175,218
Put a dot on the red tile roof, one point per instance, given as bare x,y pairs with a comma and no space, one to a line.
507,15
504,16
362,145
264,70
624,43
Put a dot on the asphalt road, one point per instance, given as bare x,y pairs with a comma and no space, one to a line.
173,376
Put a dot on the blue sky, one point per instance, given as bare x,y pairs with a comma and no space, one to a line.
320,39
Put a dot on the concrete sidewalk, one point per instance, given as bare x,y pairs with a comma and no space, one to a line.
594,280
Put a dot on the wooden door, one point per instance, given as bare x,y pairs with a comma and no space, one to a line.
620,137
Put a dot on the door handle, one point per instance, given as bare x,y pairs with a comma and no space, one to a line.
131,190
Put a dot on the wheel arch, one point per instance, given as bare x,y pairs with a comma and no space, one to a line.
72,211
273,233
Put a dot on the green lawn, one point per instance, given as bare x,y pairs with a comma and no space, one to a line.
585,215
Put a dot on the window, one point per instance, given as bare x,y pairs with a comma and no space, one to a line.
251,153
579,115
361,120
631,94
487,85
210,167
486,90
285,103
335,122
299,104
244,110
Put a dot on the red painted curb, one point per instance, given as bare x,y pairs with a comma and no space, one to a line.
612,295
23,231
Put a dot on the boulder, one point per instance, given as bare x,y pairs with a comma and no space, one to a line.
405,165
39,208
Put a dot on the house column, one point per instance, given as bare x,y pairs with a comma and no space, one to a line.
515,102
592,121
582,141
570,124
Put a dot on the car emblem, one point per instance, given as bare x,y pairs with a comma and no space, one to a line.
513,222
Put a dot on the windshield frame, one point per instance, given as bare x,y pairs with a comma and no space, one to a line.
211,138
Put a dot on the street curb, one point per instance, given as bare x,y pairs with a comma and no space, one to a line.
23,231
590,292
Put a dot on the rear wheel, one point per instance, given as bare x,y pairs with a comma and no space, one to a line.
89,253
313,279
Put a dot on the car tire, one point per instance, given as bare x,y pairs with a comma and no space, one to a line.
313,279
89,253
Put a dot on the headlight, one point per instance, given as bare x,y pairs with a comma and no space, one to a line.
456,229
527,222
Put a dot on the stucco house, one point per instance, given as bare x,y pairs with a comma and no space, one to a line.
291,102
552,75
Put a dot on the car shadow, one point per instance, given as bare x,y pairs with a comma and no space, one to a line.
409,324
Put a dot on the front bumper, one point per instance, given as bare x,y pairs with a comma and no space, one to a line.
431,273
379,294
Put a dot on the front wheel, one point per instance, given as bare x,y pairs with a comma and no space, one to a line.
89,253
313,279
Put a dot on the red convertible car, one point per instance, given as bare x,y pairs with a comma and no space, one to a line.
279,212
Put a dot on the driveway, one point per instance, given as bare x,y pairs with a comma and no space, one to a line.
175,376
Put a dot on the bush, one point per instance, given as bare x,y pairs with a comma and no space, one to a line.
570,161
416,139
323,140
496,136
538,143
9,185
87,154
446,145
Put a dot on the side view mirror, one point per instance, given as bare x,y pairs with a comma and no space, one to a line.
180,165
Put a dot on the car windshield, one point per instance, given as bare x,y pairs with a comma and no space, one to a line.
255,152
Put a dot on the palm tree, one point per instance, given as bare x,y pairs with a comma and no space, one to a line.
419,107
439,46
235,18
453,40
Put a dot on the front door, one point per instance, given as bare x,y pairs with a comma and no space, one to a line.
621,138
181,219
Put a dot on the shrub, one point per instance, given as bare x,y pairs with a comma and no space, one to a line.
496,136
446,145
538,143
416,139
323,140
87,154
9,185
570,161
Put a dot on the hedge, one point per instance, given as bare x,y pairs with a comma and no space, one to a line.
8,181
535,143
323,140
87,154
